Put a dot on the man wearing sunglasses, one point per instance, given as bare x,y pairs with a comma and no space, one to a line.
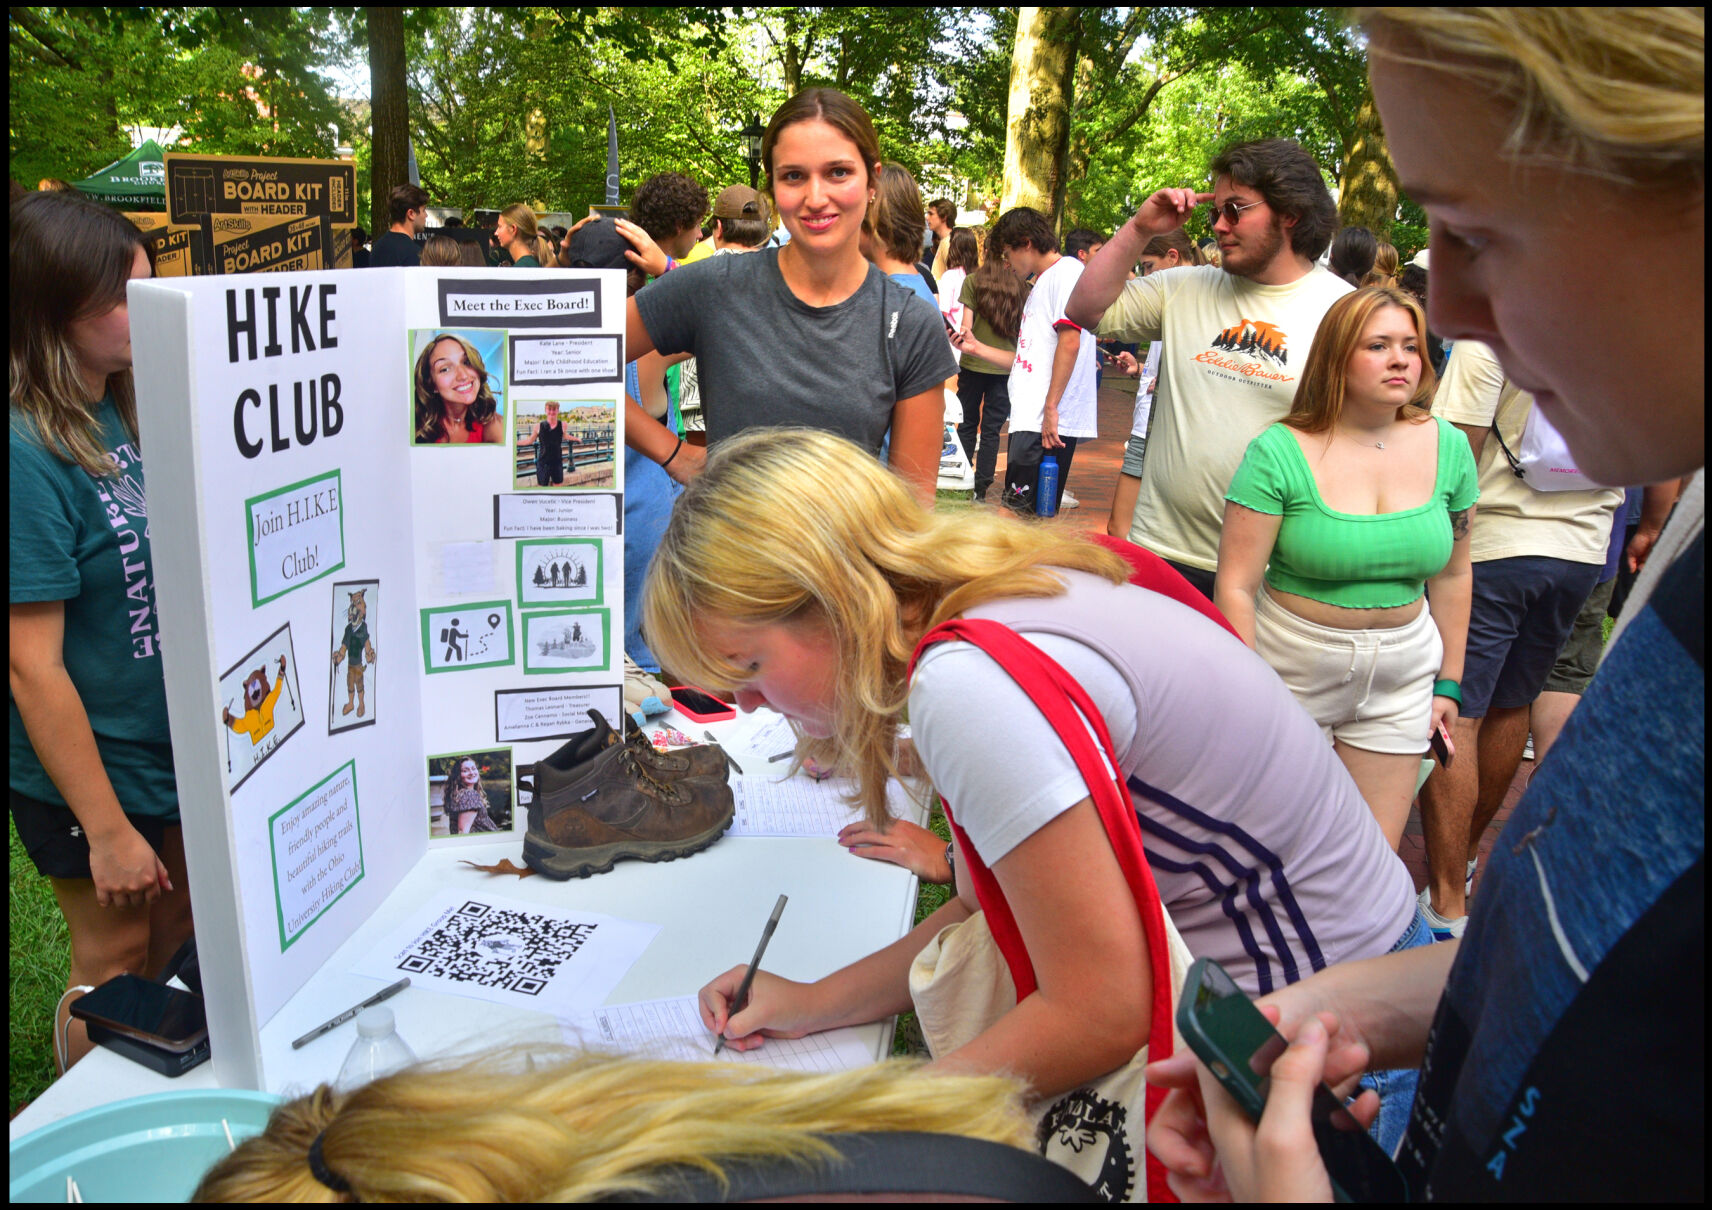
1236,334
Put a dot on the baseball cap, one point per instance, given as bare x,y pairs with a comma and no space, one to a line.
1420,259
598,246
739,202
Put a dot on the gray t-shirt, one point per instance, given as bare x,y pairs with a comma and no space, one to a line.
765,357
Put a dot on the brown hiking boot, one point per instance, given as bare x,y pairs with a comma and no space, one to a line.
613,807
702,760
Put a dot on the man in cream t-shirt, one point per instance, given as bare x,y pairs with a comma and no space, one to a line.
1537,555
1236,335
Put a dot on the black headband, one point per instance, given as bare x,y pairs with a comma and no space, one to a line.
318,1166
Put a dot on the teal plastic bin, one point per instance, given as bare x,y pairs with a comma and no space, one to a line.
148,1149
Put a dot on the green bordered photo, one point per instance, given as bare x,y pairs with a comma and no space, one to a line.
318,856
560,571
470,793
477,634
296,535
566,640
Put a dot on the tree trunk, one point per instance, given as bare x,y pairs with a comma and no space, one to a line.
1367,187
1037,121
388,114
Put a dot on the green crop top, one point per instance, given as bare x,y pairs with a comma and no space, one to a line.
1378,561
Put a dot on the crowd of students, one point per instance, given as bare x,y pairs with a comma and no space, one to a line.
1333,555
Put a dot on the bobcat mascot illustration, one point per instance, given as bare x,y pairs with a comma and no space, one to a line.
259,701
359,648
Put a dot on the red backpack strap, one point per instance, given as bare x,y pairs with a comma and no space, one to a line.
1149,571
1065,704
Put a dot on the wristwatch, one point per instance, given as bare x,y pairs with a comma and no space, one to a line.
951,862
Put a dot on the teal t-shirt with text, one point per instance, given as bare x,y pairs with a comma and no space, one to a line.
84,540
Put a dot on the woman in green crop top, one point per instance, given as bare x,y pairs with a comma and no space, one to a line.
1340,522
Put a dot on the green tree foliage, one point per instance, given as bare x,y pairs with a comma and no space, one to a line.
238,81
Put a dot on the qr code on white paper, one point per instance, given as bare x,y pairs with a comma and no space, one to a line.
496,947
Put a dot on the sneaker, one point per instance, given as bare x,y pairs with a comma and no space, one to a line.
613,808
1468,877
1066,500
1441,928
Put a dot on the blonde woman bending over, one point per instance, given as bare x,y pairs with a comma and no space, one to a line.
511,1128
1352,510
812,602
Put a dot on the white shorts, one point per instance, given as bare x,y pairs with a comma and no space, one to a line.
1372,689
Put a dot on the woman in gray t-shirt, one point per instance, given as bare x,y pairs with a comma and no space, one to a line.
810,334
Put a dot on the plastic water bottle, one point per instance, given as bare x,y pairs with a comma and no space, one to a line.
378,1050
1046,495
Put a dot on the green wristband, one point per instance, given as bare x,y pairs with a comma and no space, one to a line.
1448,688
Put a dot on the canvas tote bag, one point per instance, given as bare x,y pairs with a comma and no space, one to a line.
971,973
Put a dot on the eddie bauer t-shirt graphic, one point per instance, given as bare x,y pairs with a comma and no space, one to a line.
1233,352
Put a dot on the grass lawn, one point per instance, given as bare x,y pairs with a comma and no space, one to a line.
40,956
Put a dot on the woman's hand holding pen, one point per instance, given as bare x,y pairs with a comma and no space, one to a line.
777,1008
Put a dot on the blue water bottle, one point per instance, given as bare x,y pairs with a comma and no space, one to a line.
1046,491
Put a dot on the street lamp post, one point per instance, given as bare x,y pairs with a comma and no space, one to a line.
752,136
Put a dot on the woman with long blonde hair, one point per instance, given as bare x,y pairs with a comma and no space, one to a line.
93,791
812,602
1342,521
560,1126
516,232
1521,130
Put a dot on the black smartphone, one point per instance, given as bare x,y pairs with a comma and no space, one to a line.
1439,742
1239,1046
701,706
134,1007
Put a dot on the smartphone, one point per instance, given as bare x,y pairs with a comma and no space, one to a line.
134,1007
700,705
1439,742
1238,1045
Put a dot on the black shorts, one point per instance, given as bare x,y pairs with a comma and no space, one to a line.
56,843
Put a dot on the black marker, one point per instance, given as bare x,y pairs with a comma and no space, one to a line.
384,993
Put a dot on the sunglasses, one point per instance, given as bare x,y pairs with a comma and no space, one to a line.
1232,213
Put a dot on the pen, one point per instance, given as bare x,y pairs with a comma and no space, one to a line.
712,739
384,993
781,755
742,999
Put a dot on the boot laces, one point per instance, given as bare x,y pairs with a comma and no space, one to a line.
640,772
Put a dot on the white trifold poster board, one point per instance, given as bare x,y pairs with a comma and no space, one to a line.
367,628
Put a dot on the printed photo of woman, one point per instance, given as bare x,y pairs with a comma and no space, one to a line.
458,400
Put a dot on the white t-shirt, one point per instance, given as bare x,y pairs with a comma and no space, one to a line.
1234,351
1037,343
1512,519
951,298
1265,855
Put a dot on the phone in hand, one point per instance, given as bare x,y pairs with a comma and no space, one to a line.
1439,742
1238,1045
700,705
153,1013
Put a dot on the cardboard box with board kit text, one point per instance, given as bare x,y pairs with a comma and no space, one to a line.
175,246
239,244
260,187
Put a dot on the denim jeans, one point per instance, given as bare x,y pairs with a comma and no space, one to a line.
1396,1087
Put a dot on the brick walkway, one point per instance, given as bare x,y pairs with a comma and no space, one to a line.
1093,479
